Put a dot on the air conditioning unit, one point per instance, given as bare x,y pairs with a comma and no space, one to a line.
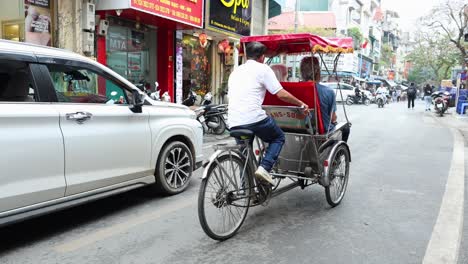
88,18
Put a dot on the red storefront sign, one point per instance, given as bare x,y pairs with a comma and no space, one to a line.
185,11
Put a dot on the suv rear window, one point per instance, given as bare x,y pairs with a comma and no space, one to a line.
15,82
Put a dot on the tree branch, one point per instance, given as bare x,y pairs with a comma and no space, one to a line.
451,14
444,28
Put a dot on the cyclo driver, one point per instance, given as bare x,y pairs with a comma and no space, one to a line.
248,84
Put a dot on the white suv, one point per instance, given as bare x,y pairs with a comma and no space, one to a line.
72,130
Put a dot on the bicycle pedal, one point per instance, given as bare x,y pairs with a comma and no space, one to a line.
267,200
254,202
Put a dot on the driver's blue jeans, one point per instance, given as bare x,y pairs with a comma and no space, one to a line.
269,132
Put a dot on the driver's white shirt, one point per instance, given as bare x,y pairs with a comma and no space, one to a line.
248,84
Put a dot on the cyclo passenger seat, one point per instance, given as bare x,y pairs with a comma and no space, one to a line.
304,91
242,134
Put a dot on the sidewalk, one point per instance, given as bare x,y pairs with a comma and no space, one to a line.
460,122
454,120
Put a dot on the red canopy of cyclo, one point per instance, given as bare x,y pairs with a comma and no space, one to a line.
300,43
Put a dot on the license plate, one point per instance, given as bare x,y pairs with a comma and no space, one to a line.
439,105
201,118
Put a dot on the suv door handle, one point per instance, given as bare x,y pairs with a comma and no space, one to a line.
80,117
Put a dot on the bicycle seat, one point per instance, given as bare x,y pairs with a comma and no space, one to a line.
241,134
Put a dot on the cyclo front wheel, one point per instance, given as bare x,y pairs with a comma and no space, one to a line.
338,174
224,197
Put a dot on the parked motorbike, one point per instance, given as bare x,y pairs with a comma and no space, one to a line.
381,99
191,99
441,101
353,99
215,119
207,99
154,95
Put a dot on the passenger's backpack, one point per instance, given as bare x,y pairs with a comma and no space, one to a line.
411,91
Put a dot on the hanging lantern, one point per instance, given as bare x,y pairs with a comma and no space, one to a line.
227,49
220,47
223,45
203,39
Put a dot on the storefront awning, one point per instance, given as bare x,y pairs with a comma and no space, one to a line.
274,9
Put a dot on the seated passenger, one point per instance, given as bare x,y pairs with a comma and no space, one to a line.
310,71
281,72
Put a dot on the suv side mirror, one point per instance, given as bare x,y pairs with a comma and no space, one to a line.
138,100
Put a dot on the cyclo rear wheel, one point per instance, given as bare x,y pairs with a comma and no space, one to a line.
224,197
339,174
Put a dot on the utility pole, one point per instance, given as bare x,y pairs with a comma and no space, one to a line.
296,11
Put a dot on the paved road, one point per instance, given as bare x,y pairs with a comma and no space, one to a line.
400,164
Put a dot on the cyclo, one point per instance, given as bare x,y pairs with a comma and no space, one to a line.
310,154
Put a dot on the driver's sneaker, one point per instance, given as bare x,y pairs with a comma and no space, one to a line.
262,174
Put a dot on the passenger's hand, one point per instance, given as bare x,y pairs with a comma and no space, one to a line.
305,109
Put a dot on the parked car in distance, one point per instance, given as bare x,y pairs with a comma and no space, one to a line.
346,90
73,131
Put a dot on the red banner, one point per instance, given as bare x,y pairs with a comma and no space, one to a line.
185,11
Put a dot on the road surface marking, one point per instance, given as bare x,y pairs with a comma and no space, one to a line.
121,227
444,244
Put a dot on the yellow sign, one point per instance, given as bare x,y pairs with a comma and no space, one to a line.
235,3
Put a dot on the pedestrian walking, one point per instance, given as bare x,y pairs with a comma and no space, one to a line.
394,95
427,96
411,95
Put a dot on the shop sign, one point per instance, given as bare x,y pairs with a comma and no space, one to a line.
365,67
391,75
179,68
185,11
38,22
346,63
233,16
117,44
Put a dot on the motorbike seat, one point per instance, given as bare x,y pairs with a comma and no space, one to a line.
241,134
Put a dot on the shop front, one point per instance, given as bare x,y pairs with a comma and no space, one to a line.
27,21
130,52
203,63
139,38
206,57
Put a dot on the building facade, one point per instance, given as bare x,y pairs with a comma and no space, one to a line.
184,45
364,16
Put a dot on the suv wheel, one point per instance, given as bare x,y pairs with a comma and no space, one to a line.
174,168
